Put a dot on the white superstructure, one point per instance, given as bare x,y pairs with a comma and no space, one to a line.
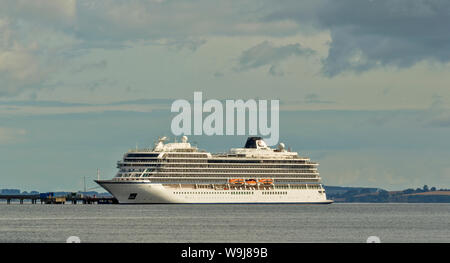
180,173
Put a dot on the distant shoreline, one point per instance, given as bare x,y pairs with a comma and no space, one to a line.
377,195
339,194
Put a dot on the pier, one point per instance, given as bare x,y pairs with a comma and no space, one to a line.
58,199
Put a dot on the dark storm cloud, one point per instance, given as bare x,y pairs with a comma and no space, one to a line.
367,34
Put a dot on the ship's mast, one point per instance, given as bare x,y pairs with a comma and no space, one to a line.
84,182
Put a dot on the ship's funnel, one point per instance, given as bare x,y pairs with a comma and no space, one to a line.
255,143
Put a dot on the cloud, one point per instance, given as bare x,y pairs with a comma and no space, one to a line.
275,70
29,53
314,98
19,66
437,116
38,38
51,12
98,84
266,53
11,135
34,107
189,43
218,74
442,121
154,20
115,21
369,34
102,64
43,35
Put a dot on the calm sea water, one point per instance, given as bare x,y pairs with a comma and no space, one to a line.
225,223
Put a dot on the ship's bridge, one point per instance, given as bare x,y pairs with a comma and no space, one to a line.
182,146
257,147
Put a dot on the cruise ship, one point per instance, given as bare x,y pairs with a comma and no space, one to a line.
179,172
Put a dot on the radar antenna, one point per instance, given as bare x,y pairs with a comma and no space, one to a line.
281,147
160,143
161,139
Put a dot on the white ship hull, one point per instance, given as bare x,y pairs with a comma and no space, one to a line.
153,193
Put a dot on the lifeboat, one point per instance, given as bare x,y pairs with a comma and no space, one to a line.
250,181
266,181
236,181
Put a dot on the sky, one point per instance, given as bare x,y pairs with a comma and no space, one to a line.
363,85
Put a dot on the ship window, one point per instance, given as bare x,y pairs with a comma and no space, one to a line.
142,155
